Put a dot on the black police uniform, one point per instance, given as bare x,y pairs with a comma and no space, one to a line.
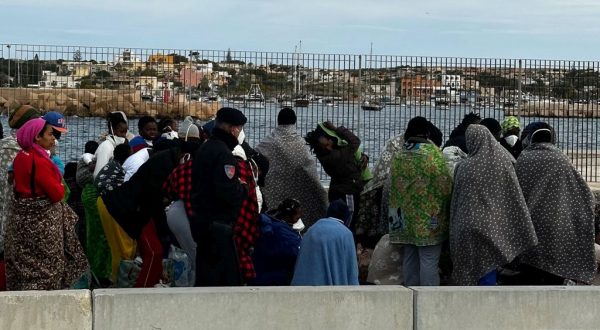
217,195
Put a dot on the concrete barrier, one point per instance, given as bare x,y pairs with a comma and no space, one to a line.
571,307
255,308
46,310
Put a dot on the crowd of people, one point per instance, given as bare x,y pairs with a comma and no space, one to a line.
489,206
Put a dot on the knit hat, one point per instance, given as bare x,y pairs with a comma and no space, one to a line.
287,116
188,129
231,116
22,115
510,122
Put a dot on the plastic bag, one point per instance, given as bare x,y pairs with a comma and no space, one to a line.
182,275
129,270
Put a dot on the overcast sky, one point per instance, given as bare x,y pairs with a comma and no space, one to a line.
546,29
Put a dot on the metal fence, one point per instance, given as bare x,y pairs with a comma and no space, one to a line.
375,95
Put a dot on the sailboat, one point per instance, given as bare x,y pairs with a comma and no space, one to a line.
371,102
300,101
254,98
372,105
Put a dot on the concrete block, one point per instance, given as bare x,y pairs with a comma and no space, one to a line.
46,310
254,308
565,307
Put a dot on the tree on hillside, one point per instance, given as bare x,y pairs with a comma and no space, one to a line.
178,58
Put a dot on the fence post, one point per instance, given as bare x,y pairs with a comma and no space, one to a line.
359,94
519,91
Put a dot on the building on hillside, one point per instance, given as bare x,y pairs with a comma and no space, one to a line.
451,80
190,77
163,64
53,80
128,61
417,87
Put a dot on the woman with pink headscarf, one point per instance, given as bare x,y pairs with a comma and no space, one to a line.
42,251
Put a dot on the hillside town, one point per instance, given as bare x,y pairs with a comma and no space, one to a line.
252,79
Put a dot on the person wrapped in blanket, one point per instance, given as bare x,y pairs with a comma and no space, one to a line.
41,248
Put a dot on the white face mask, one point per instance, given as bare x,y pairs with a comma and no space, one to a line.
511,140
170,135
118,140
298,226
241,137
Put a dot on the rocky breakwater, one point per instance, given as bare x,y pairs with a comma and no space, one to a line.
99,102
548,108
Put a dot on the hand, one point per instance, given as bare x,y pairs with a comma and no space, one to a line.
329,125
364,161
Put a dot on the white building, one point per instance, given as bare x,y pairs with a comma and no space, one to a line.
451,80
126,57
52,79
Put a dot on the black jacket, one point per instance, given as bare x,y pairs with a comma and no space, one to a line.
138,200
217,192
341,165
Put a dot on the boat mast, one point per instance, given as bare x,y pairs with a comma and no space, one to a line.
295,72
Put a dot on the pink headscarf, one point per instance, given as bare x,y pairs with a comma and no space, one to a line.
26,139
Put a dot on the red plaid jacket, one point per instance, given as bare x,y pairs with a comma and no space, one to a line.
245,229
178,186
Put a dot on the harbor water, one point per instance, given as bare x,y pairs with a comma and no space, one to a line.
574,135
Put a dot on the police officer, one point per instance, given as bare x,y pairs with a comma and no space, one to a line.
217,195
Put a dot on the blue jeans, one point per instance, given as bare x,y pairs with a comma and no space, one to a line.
420,266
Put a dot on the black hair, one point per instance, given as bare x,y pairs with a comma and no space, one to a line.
287,208
417,127
70,170
46,125
312,139
90,147
1,131
493,126
122,152
339,209
165,144
164,123
286,116
471,118
435,135
114,119
262,162
144,121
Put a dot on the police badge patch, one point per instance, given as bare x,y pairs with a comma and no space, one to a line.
230,171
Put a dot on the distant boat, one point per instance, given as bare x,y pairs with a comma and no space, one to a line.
330,103
372,106
442,104
301,101
254,98
237,100
286,104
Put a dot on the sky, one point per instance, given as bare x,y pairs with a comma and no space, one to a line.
538,29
